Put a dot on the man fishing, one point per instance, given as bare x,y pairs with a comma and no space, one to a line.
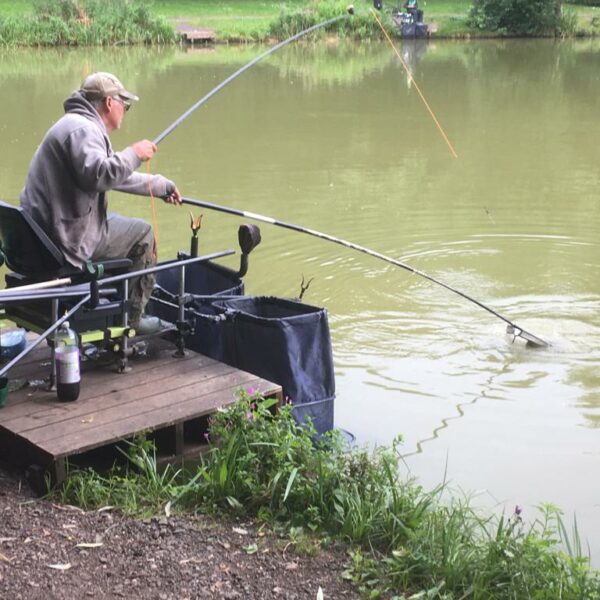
412,7
69,177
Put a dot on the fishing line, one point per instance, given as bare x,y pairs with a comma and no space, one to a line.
412,79
218,88
153,204
512,328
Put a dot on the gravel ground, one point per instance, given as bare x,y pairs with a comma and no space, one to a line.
51,552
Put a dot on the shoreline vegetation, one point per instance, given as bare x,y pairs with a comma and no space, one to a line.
403,542
116,22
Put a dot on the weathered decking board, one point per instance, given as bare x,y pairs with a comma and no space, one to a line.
160,391
191,33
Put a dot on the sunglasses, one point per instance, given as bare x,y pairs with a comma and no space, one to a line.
126,105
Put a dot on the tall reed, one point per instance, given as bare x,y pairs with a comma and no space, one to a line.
86,23
360,26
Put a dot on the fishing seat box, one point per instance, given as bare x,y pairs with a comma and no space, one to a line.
32,257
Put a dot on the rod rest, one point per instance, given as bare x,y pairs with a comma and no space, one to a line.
248,237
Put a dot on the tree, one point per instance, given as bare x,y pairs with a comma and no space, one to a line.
517,17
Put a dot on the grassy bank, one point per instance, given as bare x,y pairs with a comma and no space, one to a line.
403,541
231,20
81,23
137,21
252,19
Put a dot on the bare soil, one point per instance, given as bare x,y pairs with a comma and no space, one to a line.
56,552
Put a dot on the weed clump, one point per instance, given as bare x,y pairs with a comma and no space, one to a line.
292,21
404,540
86,23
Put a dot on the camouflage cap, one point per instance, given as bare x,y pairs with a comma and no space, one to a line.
101,85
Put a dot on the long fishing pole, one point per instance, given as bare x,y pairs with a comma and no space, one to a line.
218,88
512,327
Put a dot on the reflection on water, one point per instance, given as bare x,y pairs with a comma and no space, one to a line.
331,137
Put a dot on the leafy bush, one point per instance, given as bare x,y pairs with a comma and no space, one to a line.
268,463
517,17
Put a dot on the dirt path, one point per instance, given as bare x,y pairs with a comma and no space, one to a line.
53,552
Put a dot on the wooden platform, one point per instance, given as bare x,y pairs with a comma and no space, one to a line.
162,393
191,33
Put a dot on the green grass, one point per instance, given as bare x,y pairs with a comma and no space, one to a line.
450,16
445,8
232,20
85,23
218,8
401,538
257,20
13,8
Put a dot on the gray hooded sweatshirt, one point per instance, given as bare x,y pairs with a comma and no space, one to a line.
69,175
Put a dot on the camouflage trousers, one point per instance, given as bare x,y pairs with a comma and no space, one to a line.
134,239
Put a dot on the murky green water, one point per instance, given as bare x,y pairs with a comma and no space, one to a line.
335,138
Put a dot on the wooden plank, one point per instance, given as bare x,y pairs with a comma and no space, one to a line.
97,387
164,416
90,369
31,401
179,439
161,391
205,35
118,401
37,361
191,32
60,470
147,409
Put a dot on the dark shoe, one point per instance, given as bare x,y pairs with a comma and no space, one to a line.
149,325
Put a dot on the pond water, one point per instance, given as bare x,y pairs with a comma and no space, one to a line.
336,138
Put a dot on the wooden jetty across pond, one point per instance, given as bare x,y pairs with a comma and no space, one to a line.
192,34
168,395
